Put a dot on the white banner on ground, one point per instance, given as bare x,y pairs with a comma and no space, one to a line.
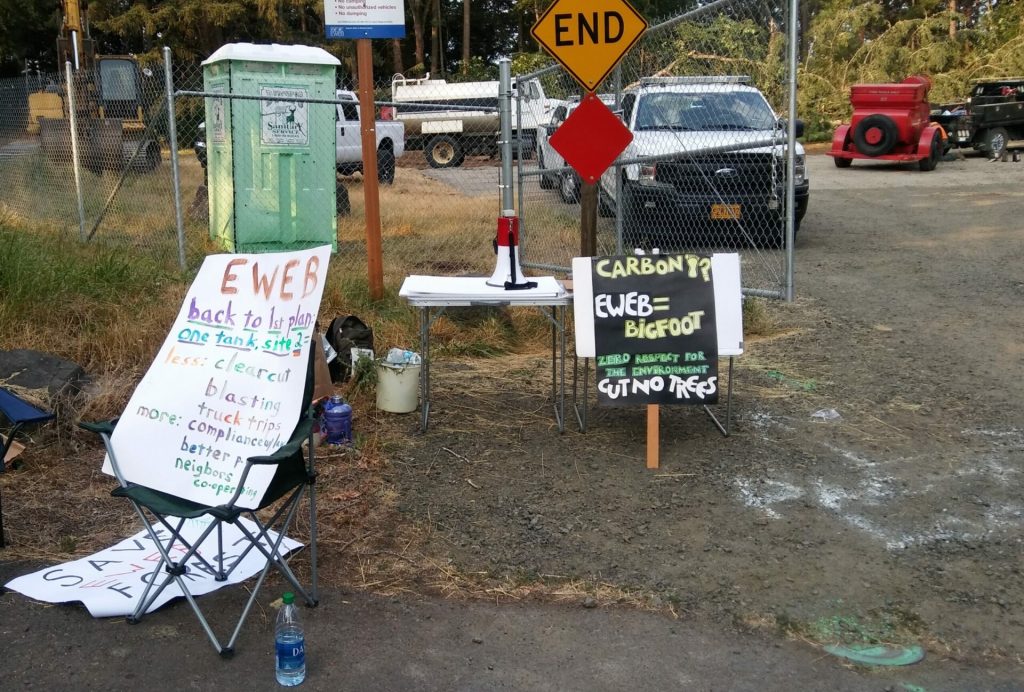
228,382
110,583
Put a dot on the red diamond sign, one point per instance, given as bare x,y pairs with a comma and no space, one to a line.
591,138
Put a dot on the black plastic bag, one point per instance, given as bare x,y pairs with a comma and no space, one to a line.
344,334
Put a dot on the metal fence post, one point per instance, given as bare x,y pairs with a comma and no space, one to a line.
619,245
75,162
505,113
172,135
791,155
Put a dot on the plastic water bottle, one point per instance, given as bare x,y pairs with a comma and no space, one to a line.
290,642
337,421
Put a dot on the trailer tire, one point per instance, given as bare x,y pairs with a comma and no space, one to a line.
875,135
444,151
994,142
152,157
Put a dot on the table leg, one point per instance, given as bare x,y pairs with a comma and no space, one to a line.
424,367
561,386
724,429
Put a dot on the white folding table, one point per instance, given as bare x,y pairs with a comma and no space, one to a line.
432,295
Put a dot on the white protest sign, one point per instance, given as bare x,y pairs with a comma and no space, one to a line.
111,582
227,384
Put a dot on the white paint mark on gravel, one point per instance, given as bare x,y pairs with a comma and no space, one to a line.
879,504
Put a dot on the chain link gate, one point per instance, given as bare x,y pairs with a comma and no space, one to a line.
438,213
707,169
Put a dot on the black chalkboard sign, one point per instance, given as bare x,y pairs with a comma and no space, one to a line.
654,330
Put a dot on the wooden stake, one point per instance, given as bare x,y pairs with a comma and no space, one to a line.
653,422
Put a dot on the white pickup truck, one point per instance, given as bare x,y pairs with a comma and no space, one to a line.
698,185
390,140
349,144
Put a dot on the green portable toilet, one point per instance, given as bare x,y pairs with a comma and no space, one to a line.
270,154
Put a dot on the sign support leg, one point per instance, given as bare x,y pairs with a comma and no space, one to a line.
653,434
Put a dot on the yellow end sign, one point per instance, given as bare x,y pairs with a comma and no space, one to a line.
589,37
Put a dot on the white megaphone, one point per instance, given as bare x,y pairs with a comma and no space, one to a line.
507,272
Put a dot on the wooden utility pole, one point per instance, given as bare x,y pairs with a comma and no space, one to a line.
371,190
465,37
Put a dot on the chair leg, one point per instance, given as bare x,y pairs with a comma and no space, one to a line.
273,555
314,586
3,468
175,570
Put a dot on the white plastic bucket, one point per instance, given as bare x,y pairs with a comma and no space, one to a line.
398,387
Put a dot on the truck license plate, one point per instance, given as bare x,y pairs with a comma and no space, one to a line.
725,211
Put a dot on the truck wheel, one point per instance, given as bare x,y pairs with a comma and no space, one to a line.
934,154
547,181
569,187
875,135
342,205
842,163
385,165
444,151
605,204
994,143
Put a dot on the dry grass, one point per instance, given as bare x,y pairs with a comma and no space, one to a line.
58,506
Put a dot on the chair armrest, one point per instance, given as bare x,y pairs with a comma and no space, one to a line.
286,451
100,427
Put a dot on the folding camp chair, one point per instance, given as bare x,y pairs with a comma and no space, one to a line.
20,413
164,515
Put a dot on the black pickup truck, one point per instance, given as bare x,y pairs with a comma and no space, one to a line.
991,118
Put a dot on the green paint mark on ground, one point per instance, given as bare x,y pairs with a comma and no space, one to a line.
879,654
792,382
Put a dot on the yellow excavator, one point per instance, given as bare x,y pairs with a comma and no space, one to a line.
108,103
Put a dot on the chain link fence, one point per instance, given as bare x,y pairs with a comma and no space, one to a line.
706,171
83,155
702,94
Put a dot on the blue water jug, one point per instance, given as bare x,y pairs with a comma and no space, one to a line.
337,421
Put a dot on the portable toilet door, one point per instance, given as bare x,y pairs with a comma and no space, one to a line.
271,154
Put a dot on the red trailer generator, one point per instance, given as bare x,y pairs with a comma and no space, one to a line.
890,123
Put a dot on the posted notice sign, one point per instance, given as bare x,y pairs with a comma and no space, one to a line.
284,119
361,19
228,382
654,328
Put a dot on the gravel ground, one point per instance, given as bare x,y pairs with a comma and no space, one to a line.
899,521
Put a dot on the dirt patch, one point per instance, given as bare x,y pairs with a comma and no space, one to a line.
898,521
